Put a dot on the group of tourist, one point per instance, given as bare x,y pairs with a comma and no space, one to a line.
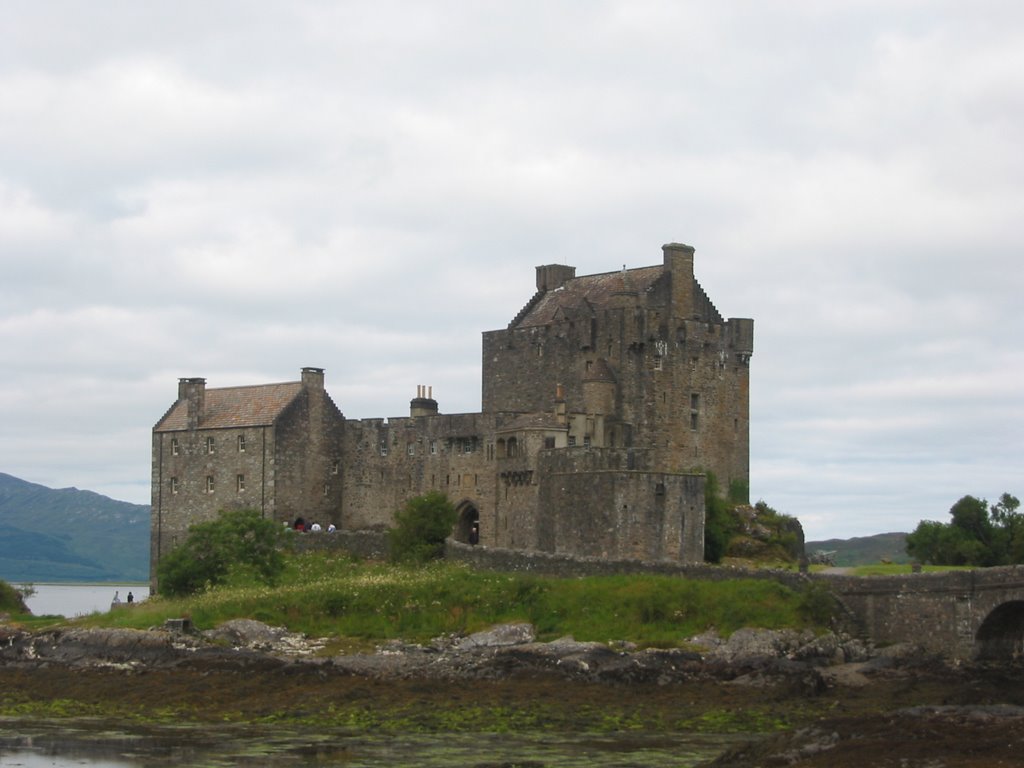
301,526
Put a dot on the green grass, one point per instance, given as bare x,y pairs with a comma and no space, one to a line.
901,569
326,595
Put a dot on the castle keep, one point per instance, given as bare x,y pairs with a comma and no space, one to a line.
604,401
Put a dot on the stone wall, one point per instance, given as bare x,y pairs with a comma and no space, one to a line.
308,460
943,612
366,545
566,566
389,461
182,464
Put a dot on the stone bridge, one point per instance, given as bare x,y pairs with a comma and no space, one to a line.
965,614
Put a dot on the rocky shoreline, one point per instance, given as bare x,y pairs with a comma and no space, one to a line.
824,700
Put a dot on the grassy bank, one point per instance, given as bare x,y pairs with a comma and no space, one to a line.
325,594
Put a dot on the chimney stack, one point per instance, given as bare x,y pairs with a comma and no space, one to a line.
552,276
193,391
313,378
679,265
424,403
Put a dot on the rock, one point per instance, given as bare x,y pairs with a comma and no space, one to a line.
499,636
255,635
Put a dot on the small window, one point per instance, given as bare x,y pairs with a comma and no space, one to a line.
468,446
209,483
572,440
694,402
327,489
335,466
410,449
693,420
174,485
586,441
241,443
383,449
209,445
433,447
240,483
175,446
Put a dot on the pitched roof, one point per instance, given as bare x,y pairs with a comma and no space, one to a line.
592,292
251,406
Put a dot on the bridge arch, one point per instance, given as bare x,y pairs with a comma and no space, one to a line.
1001,634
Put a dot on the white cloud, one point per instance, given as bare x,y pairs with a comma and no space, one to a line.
240,189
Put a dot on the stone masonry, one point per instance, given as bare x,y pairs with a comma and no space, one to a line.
605,401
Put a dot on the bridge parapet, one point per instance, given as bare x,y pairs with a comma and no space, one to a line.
943,612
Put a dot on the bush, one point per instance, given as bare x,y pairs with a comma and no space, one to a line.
421,527
238,540
11,599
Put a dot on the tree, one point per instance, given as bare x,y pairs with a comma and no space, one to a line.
977,535
238,540
421,527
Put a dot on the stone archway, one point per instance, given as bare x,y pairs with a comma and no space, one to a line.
467,526
1001,634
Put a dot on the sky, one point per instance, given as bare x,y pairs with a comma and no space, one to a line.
235,190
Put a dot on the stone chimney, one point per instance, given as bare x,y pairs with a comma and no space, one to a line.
193,392
313,378
679,265
554,276
424,403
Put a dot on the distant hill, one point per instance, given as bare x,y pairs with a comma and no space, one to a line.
70,535
864,550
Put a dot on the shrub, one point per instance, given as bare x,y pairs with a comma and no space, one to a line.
11,599
421,527
238,540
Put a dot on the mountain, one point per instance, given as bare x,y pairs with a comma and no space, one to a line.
864,550
70,535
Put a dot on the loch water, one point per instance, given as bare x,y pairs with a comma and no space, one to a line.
70,600
61,746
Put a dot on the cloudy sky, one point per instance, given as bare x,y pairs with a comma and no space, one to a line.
237,189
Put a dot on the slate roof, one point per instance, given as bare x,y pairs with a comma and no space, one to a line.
252,406
595,292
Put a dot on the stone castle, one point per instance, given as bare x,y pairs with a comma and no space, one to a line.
605,401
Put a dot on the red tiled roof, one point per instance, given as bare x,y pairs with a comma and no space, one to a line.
251,406
597,291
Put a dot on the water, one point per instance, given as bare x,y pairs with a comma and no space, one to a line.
70,600
43,745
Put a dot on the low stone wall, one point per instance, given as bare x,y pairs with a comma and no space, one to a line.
368,545
373,545
548,564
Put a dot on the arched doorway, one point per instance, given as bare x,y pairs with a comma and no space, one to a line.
1001,635
467,527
